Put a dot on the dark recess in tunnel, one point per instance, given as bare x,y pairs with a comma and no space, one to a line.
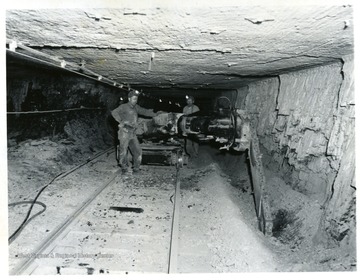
34,87
301,106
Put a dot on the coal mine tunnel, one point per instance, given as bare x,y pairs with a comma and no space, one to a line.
240,158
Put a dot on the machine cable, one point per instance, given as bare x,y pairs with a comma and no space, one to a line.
33,202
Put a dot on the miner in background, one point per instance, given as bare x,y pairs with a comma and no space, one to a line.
127,117
191,146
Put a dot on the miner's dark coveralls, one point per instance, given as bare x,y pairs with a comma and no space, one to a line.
127,117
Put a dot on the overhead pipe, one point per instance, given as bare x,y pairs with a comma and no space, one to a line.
13,45
62,64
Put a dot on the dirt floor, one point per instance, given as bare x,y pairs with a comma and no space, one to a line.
218,225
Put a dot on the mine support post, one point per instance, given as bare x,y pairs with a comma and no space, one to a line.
262,204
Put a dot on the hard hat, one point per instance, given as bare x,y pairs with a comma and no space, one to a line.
133,93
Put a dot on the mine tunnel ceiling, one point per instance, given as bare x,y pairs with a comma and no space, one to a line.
207,47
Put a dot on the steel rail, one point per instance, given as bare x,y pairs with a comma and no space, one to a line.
174,237
59,176
19,269
174,233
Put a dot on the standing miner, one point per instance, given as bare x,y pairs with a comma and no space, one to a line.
127,117
191,146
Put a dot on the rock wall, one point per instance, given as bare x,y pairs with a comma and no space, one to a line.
51,91
305,123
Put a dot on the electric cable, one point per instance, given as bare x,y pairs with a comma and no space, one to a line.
17,232
60,175
22,225
53,111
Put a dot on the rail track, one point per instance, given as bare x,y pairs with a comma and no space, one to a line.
128,224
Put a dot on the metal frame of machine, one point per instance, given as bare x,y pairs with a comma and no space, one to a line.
228,127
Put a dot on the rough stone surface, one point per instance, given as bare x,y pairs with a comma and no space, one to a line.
305,123
211,47
218,226
89,106
304,119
